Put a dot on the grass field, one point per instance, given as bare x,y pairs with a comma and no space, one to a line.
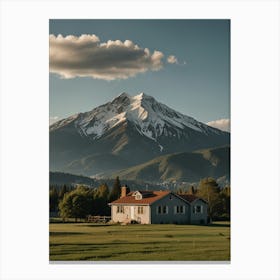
139,242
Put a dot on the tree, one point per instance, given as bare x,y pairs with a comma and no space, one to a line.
116,190
76,204
81,207
208,189
127,189
66,206
101,195
225,202
102,191
53,200
63,191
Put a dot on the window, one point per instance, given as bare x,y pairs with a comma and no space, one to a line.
162,209
120,209
140,209
197,209
182,209
137,195
179,209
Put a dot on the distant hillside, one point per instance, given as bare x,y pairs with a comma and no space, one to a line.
188,167
60,178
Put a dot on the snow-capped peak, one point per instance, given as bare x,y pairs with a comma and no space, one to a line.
121,96
149,117
141,96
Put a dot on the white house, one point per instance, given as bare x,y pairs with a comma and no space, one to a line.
158,207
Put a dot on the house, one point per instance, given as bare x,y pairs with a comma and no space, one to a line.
158,207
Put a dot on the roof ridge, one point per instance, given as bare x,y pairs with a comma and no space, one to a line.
129,199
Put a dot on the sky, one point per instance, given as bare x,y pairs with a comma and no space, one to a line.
184,64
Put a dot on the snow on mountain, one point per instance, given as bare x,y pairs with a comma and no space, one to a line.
127,131
150,118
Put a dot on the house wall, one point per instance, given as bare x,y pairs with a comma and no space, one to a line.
151,215
171,217
131,213
198,218
142,218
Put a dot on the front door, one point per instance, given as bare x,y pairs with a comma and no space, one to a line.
132,213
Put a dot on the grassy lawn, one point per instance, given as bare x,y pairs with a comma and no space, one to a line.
139,242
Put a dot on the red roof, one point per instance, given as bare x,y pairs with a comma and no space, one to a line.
150,197
129,199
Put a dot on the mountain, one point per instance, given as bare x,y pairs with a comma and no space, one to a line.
59,178
188,167
126,131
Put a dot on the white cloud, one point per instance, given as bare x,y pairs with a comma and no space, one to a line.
53,120
222,124
172,59
86,56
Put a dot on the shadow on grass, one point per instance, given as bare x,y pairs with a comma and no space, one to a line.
109,244
219,225
58,233
96,225
115,255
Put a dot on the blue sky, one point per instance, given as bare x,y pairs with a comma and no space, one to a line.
196,81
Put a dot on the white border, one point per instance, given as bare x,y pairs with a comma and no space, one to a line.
254,124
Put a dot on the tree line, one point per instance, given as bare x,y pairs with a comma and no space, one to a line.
218,198
81,201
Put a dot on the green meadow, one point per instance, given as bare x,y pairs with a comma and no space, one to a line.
96,242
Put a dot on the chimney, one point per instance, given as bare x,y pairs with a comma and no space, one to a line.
123,191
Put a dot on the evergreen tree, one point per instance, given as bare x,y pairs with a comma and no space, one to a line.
53,203
81,207
101,195
116,190
127,189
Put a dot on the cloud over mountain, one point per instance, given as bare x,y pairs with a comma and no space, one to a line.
222,124
86,56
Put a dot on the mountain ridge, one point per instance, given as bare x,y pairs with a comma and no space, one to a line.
124,132
189,167
141,108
